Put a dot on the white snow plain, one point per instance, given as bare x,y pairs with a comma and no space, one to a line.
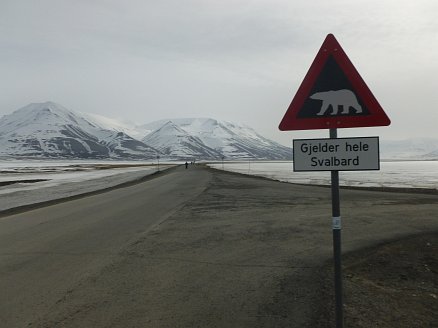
393,174
64,178
69,178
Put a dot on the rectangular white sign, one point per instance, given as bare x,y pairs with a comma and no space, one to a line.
342,154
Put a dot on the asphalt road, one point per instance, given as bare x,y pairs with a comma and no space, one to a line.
46,252
189,248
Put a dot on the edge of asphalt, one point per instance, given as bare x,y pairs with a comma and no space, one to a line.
33,206
325,267
28,207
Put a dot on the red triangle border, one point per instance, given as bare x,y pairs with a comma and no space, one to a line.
377,116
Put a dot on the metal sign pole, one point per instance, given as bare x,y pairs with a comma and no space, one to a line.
333,81
336,226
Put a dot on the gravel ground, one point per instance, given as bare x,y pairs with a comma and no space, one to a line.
249,252
394,284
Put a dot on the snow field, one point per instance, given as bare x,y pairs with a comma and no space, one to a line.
64,179
395,174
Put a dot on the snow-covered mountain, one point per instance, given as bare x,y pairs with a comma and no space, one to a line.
127,127
173,141
50,130
218,139
415,149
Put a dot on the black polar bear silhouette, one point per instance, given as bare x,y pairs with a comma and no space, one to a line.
337,98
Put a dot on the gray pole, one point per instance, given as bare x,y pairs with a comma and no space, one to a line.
336,226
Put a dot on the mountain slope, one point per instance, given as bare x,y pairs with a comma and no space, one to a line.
230,140
175,142
418,148
106,123
120,145
50,130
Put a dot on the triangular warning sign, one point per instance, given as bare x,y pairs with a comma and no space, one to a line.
333,95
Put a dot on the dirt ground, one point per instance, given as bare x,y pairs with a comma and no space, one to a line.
394,284
231,251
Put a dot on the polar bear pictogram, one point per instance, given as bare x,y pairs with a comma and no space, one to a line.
337,98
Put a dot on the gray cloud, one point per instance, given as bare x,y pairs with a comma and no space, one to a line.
240,60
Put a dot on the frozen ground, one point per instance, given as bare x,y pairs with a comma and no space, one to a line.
396,174
29,182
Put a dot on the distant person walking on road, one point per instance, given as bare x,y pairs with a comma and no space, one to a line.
187,164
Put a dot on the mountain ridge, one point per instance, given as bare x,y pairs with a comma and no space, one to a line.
229,140
49,130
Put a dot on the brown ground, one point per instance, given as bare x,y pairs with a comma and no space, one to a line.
392,285
204,248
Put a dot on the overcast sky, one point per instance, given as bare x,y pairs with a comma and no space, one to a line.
234,60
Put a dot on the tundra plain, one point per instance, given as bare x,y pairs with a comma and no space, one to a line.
199,247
